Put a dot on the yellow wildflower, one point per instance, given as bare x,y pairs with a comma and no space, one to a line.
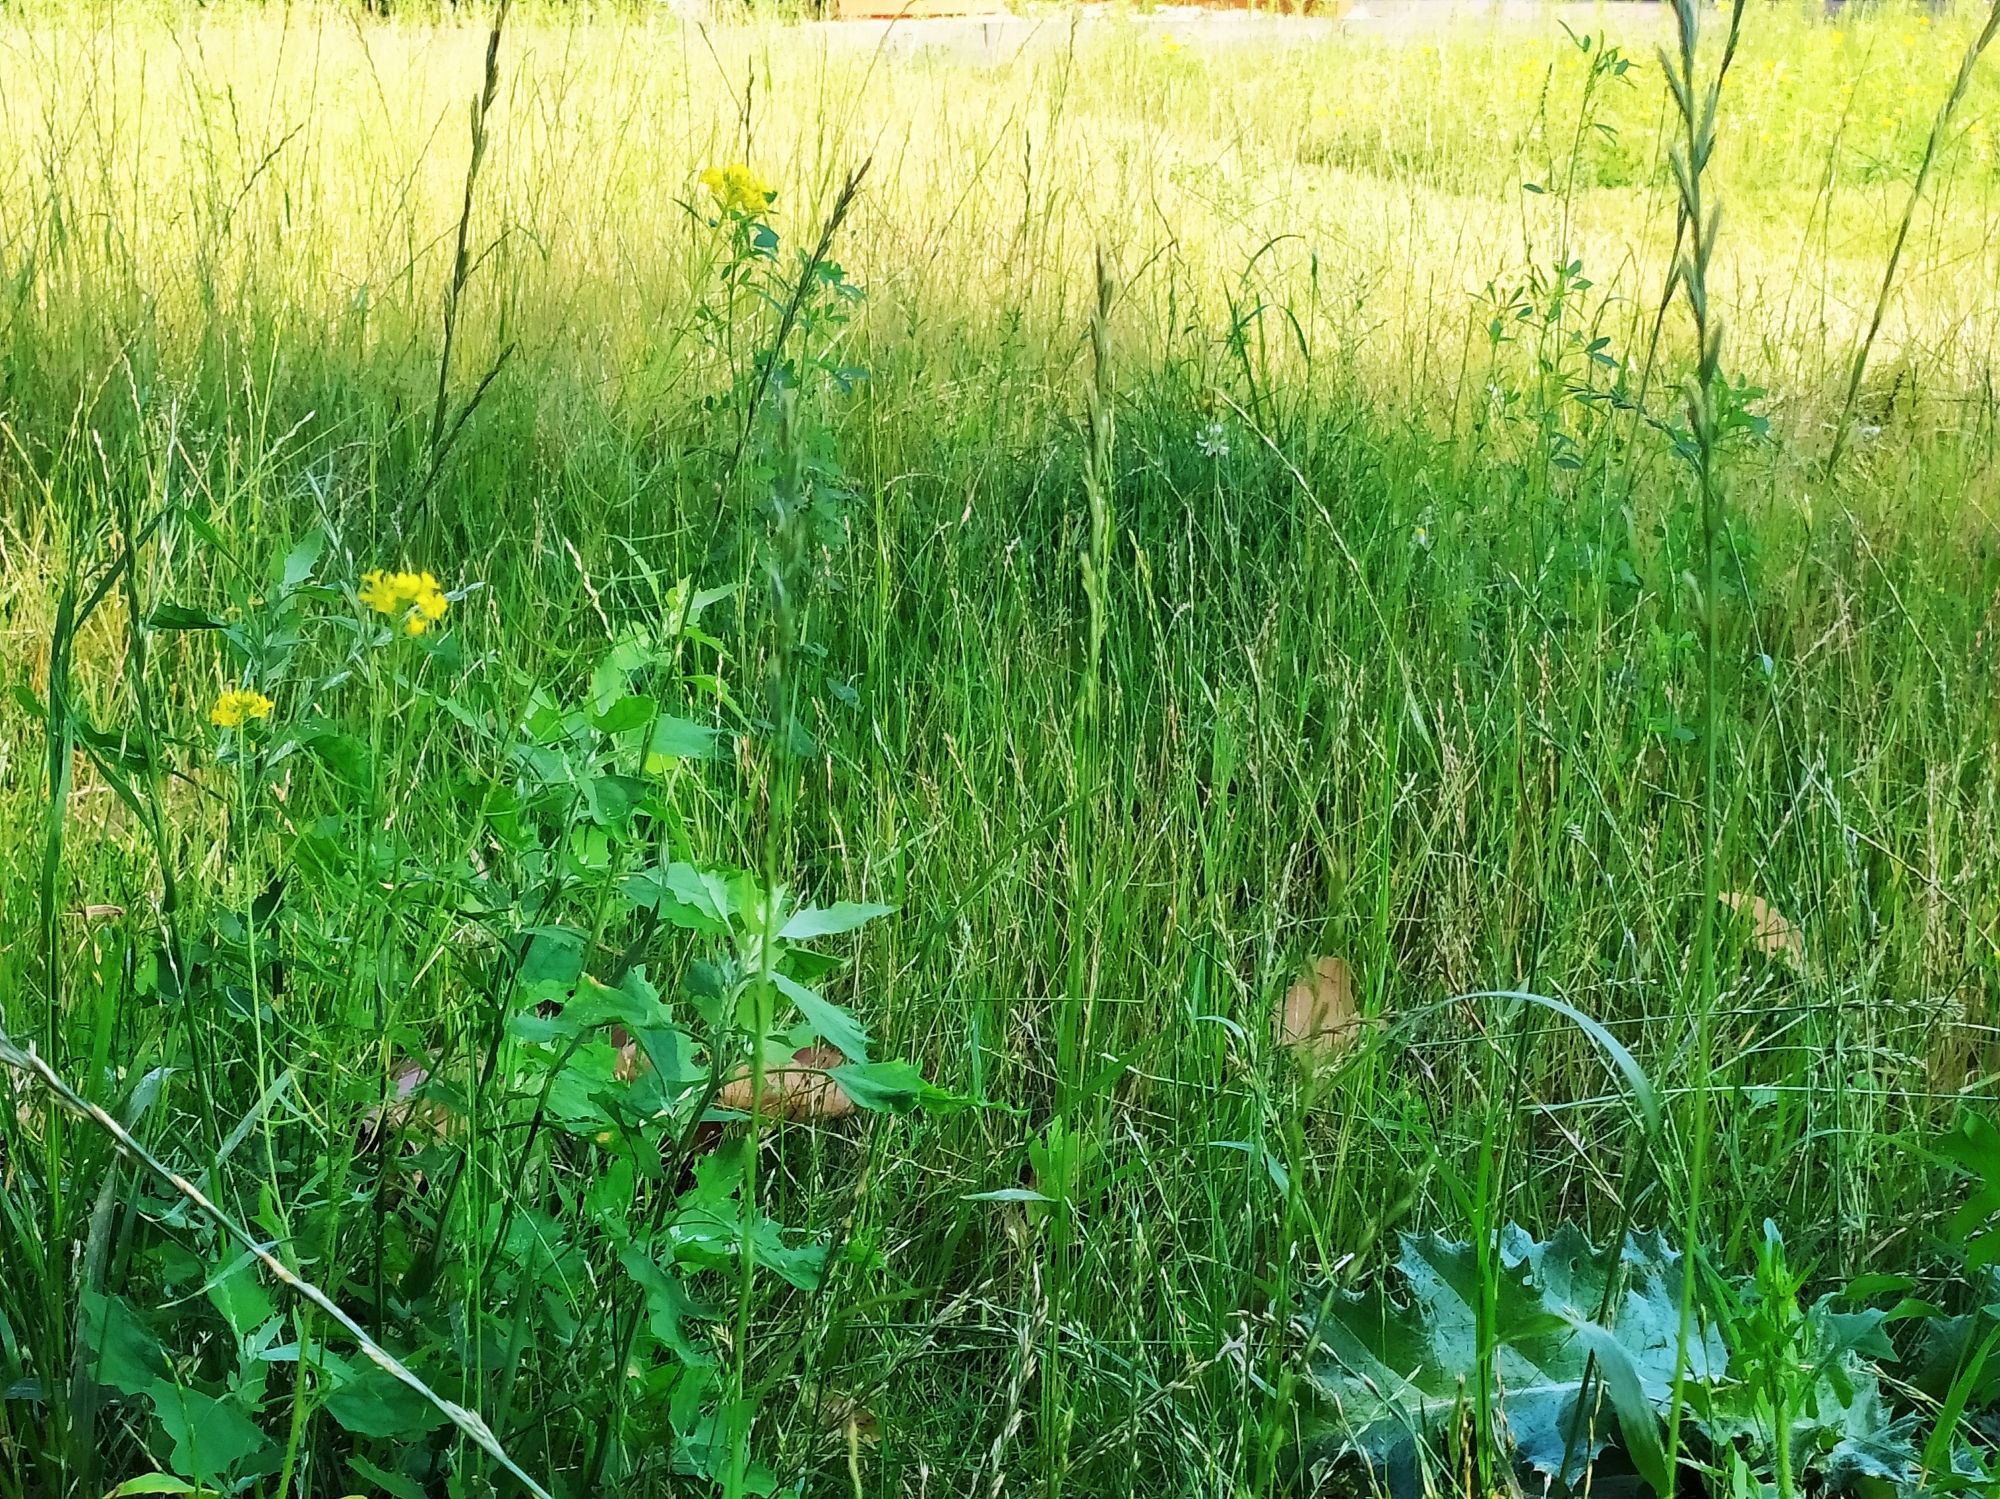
737,189
414,598
236,707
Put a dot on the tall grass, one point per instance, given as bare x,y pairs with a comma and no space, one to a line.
1263,543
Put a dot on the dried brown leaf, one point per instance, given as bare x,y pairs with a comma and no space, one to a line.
842,1413
1771,932
1318,1017
630,1061
404,1111
800,1091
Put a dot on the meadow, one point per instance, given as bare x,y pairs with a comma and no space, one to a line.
1102,756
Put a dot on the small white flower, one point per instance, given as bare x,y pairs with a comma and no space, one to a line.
1213,440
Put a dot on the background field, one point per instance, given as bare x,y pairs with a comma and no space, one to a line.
1397,656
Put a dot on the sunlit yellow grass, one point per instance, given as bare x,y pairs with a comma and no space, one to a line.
286,180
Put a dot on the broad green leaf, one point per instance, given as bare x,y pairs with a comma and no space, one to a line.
609,679
554,956
301,560
344,755
829,1021
612,799
671,1051
629,712
539,1030
708,1233
627,1005
809,922
236,1292
580,1093
647,890
124,1353
374,1403
705,597
393,1484
156,1483
212,1439
671,739
1394,1369
894,1088
702,891
180,617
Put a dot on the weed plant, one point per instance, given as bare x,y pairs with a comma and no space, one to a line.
670,760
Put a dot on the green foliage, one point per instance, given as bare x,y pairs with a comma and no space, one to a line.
1394,1370
1782,1393
578,815
1132,637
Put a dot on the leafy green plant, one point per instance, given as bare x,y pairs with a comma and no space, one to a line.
599,1097
1804,1403
1393,1372
1783,1395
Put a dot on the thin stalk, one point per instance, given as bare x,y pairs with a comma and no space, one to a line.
1690,160
1939,126
461,262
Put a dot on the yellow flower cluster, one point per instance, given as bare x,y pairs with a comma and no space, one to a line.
237,706
414,598
737,189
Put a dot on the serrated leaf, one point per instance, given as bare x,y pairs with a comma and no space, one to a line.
301,560
1842,1431
1393,1368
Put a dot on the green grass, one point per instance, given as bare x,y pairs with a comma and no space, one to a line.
1390,644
